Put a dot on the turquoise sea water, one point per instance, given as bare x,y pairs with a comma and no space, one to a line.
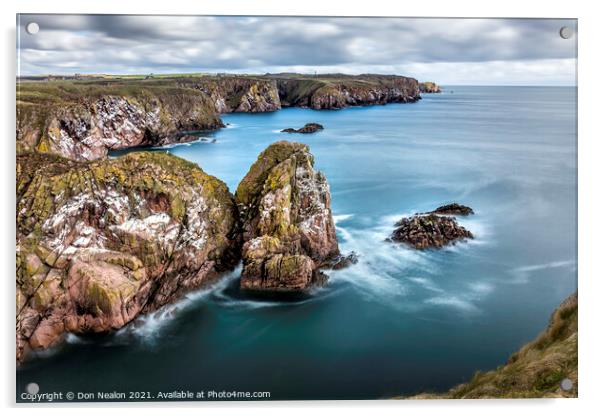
400,321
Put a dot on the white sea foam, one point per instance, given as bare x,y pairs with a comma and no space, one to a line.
426,283
377,274
523,274
453,301
148,327
391,273
341,218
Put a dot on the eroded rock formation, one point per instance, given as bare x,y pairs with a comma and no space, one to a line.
87,124
100,242
84,119
287,221
337,91
429,231
429,88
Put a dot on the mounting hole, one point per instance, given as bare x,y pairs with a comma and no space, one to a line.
32,28
32,388
566,384
566,32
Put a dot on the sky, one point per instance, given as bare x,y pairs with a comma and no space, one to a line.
446,51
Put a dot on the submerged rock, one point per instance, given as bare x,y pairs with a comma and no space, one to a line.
342,261
430,230
453,209
308,128
100,242
287,221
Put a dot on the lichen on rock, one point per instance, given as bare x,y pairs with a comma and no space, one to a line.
84,123
287,221
100,242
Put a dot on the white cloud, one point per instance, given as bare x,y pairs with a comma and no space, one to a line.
449,51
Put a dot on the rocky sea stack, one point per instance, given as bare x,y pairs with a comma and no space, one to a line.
288,227
100,242
308,128
429,88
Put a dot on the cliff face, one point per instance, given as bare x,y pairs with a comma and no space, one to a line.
83,122
287,221
340,91
100,242
536,370
238,94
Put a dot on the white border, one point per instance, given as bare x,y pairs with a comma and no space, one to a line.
589,192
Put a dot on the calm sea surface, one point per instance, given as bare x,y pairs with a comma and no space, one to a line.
400,321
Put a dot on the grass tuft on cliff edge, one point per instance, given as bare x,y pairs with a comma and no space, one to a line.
536,370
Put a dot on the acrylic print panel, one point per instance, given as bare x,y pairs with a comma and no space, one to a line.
278,208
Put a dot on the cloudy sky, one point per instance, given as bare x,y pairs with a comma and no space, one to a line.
447,51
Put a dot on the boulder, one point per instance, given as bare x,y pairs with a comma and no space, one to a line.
287,221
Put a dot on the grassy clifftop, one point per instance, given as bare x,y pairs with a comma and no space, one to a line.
536,370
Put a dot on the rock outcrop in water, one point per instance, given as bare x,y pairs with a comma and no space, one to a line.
429,231
536,370
429,88
453,209
100,242
308,128
288,227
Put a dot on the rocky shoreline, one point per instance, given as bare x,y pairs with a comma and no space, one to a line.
99,243
85,119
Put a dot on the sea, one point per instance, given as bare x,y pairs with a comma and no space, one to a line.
400,321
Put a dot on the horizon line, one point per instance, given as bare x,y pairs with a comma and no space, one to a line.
100,74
